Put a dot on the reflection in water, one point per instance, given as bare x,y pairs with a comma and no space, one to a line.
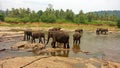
62,53
76,48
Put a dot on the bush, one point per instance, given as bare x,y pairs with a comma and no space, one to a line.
48,18
1,17
118,23
25,19
12,20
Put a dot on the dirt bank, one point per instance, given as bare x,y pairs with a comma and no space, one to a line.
56,62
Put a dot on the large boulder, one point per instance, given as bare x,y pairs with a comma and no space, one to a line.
27,45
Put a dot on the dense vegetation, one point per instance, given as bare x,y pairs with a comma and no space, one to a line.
50,15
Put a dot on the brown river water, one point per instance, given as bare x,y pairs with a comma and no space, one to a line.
98,46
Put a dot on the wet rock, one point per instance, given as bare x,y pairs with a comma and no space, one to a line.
18,45
27,45
2,50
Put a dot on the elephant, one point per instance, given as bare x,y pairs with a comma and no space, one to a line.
76,37
39,35
50,32
27,34
101,31
60,37
79,30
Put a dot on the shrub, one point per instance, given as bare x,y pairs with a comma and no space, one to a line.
12,20
48,18
118,23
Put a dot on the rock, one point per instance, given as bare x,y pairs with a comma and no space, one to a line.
19,45
2,50
27,45
55,62
38,47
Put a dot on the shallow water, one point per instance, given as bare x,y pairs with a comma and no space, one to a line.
98,46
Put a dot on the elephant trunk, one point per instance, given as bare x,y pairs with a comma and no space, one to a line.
48,40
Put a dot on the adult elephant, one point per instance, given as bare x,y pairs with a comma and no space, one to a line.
38,35
59,36
101,31
76,37
27,34
50,32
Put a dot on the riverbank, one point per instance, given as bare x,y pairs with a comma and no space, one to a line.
56,62
69,26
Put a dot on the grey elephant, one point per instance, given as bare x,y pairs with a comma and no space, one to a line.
38,35
101,31
27,34
60,37
50,31
76,37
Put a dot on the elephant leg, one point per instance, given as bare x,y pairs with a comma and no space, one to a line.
79,41
64,45
29,37
40,40
44,40
32,40
76,41
68,45
24,37
53,44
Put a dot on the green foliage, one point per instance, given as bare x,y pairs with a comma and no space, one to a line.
1,17
50,16
25,19
12,20
118,23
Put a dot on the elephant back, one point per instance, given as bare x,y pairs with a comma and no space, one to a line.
76,35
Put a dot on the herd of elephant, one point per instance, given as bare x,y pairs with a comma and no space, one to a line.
58,36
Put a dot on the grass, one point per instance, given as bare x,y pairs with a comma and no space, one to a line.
69,26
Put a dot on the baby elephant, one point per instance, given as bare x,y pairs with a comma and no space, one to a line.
76,37
38,35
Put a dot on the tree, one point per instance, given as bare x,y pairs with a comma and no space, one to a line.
90,17
69,15
118,23
49,15
81,17
1,16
